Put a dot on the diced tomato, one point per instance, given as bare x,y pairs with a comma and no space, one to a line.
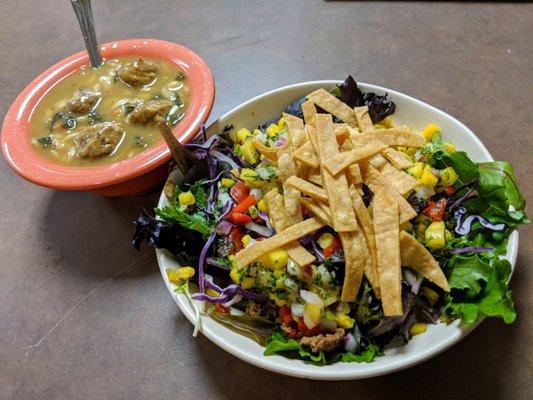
302,327
239,218
239,191
221,309
436,210
285,315
235,236
449,190
333,247
244,205
305,211
293,334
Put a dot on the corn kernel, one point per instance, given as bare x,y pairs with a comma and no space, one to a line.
418,328
276,258
247,283
448,176
246,240
416,170
242,134
325,240
254,212
234,275
430,130
379,126
262,206
281,123
272,130
313,311
250,154
449,147
345,321
186,199
212,293
250,177
435,238
227,182
387,122
280,302
428,178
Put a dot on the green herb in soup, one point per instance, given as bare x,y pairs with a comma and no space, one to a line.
108,114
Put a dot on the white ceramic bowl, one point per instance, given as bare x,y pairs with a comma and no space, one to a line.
438,337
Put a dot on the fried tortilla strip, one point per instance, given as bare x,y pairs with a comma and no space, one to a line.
332,105
397,158
311,134
269,152
387,231
402,181
369,271
322,211
307,188
378,161
376,182
336,187
354,264
277,213
353,173
309,112
343,160
365,222
306,155
400,136
342,132
415,256
315,176
292,233
291,196
297,134
363,119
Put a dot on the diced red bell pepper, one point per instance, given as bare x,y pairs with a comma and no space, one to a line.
221,309
239,191
333,247
285,315
239,218
236,235
449,190
436,210
302,327
244,205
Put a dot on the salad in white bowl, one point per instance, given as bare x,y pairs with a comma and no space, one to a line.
335,228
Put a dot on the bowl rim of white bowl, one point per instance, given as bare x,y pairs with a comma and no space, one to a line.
246,349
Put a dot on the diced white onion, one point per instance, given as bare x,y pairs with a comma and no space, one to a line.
310,297
257,193
297,310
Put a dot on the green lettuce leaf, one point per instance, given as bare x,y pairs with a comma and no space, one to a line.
196,221
466,169
366,356
279,343
479,287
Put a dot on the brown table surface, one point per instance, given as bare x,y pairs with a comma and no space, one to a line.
83,315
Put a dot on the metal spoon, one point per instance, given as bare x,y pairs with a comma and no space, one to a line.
84,13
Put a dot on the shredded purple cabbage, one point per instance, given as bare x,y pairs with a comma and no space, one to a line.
472,249
214,263
456,203
464,225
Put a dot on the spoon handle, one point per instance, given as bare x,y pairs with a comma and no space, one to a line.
84,13
181,155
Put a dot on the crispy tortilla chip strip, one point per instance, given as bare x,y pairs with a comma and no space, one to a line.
307,188
297,134
415,256
365,222
363,119
311,134
319,209
306,155
292,233
376,182
291,196
354,264
269,152
277,214
343,160
336,187
397,158
400,136
402,181
342,132
387,232
353,173
332,105
378,161
309,112
369,269
315,176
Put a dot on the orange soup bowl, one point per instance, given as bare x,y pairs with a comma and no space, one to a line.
135,175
